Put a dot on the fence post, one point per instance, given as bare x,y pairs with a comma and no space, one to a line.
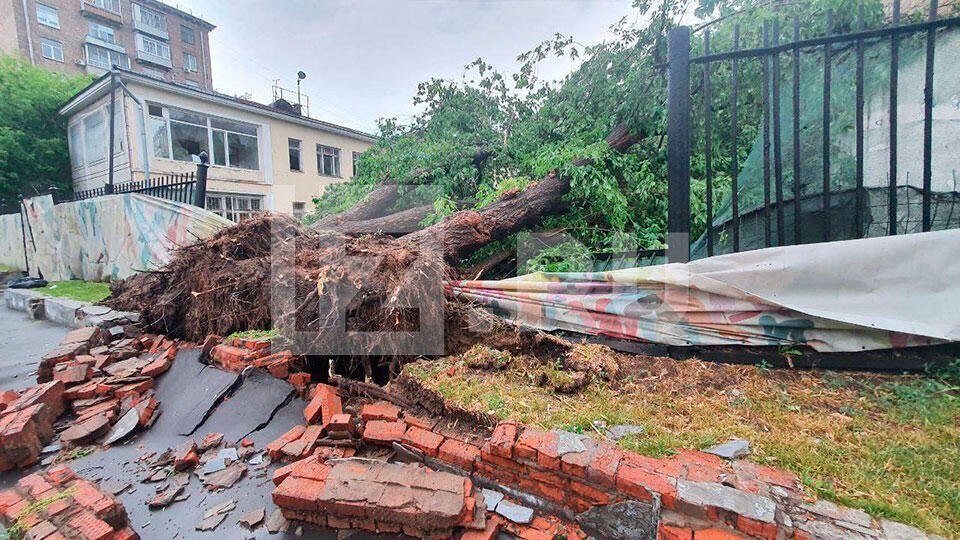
113,123
678,145
200,196
23,232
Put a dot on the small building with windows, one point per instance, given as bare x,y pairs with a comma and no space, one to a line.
262,157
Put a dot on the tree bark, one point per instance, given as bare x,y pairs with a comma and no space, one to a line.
396,224
374,205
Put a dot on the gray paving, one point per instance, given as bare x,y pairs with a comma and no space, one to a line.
23,342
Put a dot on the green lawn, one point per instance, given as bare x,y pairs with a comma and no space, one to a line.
885,443
4,269
84,291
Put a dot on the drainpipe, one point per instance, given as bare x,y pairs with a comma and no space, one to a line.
113,126
26,24
144,154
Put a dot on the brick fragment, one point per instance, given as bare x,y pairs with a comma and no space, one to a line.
458,453
382,432
298,494
427,442
231,358
300,381
381,410
502,440
89,527
324,405
668,532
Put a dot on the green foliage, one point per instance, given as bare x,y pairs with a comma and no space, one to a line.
565,257
33,136
488,132
443,206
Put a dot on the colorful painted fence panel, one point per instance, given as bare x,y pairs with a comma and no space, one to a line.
876,293
104,238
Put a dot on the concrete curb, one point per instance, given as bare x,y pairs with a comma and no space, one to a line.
63,311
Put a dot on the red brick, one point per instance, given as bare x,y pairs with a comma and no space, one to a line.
300,381
298,494
34,485
310,468
259,344
60,475
71,373
668,532
756,528
323,406
9,498
157,367
231,358
135,388
577,463
530,440
491,531
126,533
380,410
458,453
426,441
716,534
341,422
282,473
502,440
639,484
59,505
381,432
89,526
590,493
420,422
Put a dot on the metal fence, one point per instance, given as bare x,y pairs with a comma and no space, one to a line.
173,187
788,214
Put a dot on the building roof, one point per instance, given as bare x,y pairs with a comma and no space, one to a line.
167,8
101,87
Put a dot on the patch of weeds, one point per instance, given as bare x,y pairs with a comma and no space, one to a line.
83,291
495,405
254,334
78,453
560,380
483,357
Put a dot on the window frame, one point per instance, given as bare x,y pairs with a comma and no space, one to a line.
55,23
47,42
299,149
234,212
139,11
110,55
143,39
299,210
186,63
102,4
334,154
185,30
355,160
100,36
211,131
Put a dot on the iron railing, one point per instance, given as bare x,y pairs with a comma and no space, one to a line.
840,212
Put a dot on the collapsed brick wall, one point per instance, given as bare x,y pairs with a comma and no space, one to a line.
59,505
609,492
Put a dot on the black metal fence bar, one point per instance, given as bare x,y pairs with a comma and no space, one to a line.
928,118
858,115
708,142
734,157
894,91
832,219
766,138
678,145
777,140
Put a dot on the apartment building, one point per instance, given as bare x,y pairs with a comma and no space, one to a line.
91,36
262,157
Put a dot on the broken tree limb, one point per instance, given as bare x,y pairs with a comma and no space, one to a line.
396,224
374,205
462,233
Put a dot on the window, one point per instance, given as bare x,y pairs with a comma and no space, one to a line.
149,18
48,16
294,145
234,207
104,58
87,139
51,49
356,159
109,5
187,35
181,134
328,160
102,32
76,149
153,47
95,137
299,210
189,62
192,83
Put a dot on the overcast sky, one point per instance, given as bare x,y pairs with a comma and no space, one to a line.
364,58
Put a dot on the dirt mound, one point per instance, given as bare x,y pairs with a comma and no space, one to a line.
270,272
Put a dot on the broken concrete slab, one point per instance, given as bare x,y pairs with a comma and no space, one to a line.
515,512
492,498
87,431
125,426
253,518
707,494
165,498
184,412
569,443
732,449
227,477
251,405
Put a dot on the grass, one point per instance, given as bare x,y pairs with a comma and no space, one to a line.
5,269
885,443
84,291
254,334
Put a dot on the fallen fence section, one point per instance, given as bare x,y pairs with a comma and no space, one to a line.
108,237
855,295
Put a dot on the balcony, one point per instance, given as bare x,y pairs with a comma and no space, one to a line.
107,10
116,47
150,58
141,26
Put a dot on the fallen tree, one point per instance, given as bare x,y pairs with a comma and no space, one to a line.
324,287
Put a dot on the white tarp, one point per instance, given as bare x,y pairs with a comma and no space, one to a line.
876,293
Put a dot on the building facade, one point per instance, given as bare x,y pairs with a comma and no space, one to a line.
262,157
91,36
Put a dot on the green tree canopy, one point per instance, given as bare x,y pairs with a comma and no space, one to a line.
33,136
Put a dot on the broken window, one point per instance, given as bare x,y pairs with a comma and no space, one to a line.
328,160
235,207
227,142
294,145
299,210
188,140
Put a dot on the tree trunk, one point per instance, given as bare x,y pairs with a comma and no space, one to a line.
396,224
374,205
